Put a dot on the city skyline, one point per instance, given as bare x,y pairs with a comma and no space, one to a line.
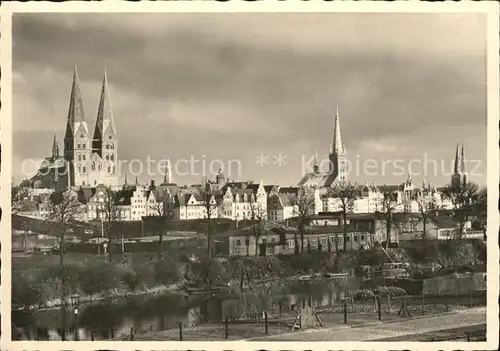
233,99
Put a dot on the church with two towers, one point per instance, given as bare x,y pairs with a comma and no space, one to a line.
89,158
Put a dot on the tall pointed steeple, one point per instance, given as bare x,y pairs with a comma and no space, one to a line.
337,146
456,168
459,176
315,165
167,177
75,112
104,122
462,161
55,148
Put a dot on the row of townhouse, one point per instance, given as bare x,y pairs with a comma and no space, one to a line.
242,200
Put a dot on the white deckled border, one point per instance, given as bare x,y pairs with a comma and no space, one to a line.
493,87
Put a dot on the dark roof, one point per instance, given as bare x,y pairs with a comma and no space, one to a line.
85,194
123,197
332,229
444,222
289,190
268,227
388,188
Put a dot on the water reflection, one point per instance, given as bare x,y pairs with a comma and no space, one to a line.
115,318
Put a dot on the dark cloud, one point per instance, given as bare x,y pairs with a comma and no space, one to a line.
190,87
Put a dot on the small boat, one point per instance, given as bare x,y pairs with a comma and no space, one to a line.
335,275
204,289
305,277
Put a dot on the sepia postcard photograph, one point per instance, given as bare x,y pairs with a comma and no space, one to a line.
249,177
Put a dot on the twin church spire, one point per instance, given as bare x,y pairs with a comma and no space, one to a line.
76,114
92,157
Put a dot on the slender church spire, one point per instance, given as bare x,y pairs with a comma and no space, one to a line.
337,146
75,112
462,161
105,119
55,148
167,177
315,165
456,168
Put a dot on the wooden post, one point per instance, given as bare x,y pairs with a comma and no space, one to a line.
265,322
379,308
467,335
345,312
226,328
423,302
91,335
132,333
180,331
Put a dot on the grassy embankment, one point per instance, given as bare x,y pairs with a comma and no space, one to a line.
37,280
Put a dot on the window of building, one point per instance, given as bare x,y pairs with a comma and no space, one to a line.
109,169
362,237
112,157
109,137
84,169
84,145
238,242
77,146
347,238
324,242
314,243
355,238
291,244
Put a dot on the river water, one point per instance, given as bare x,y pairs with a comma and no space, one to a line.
114,318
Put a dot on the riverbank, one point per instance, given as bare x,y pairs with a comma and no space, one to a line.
37,280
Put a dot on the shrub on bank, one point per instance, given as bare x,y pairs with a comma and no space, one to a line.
363,295
392,291
25,293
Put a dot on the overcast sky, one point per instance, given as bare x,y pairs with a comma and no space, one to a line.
233,86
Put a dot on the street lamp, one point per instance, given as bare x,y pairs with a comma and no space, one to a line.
75,304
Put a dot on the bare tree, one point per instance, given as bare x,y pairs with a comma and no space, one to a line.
425,215
346,192
109,213
165,210
63,209
481,209
463,196
257,217
303,209
388,214
210,207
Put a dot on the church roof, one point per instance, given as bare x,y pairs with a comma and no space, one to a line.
51,174
317,180
75,112
104,112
